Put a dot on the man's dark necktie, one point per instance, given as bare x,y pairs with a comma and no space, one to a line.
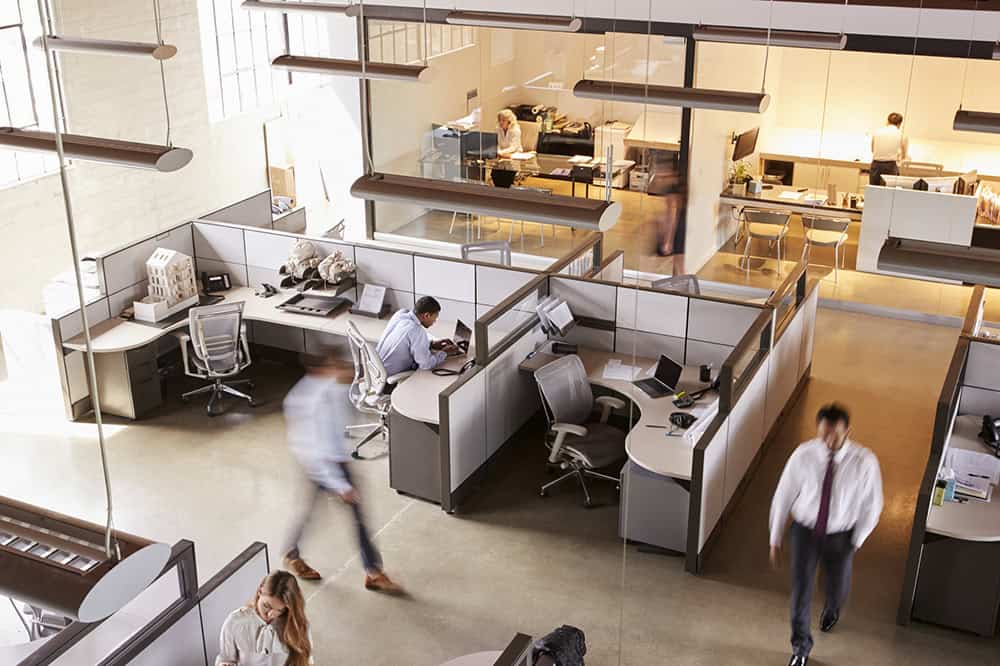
822,518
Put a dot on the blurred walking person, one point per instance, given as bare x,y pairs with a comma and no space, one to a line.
832,487
316,411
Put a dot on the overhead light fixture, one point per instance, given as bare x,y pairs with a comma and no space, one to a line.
107,47
940,261
515,21
579,213
695,98
94,149
300,7
976,121
57,562
371,70
793,38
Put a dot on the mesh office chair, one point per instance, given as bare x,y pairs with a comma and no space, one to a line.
367,392
499,248
769,225
217,338
826,232
577,443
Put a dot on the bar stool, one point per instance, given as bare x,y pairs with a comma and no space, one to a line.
769,225
826,232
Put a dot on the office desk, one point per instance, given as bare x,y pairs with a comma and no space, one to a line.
958,581
417,397
125,358
555,167
772,200
488,658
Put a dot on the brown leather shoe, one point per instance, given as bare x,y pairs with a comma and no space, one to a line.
381,583
299,567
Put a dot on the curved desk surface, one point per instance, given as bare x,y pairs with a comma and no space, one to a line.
971,521
417,397
117,335
478,659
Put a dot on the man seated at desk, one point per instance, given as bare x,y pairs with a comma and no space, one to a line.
406,345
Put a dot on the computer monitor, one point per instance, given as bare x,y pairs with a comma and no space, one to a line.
746,144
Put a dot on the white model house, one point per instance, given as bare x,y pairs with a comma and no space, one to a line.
172,285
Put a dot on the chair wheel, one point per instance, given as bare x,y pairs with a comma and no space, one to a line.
213,414
254,403
544,493
356,455
185,399
588,505
251,386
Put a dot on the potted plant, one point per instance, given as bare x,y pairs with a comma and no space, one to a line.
740,174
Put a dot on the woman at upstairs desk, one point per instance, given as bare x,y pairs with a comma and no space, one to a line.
508,134
889,147
271,630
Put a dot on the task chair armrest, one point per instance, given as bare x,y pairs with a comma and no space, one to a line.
397,378
562,430
183,338
607,404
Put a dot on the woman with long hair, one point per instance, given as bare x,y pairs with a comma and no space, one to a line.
271,630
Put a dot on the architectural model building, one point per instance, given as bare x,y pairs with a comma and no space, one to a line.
172,285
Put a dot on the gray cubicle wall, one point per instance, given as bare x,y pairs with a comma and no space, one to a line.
759,382
254,211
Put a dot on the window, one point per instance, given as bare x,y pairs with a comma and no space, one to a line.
404,43
24,90
238,47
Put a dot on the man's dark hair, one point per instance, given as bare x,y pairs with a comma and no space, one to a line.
833,413
426,305
895,119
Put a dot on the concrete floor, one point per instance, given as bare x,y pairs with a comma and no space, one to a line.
511,561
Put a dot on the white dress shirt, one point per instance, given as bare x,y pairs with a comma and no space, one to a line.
406,345
509,140
888,144
855,497
316,411
247,640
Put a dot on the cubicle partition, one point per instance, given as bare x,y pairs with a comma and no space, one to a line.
759,381
612,269
951,577
254,211
171,622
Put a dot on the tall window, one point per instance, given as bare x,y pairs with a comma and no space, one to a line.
405,43
238,47
24,89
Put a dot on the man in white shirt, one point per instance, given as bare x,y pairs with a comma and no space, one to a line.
889,148
406,345
316,411
832,487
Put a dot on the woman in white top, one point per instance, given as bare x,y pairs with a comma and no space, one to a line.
508,134
271,630
889,148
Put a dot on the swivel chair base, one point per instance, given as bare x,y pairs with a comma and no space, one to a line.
581,474
380,429
217,389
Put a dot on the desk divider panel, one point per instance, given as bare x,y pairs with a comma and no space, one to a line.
443,278
494,284
254,211
462,412
229,589
293,222
126,267
385,267
613,268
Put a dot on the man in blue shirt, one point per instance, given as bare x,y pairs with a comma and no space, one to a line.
406,345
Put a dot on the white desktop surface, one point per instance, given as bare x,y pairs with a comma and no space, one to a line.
478,659
417,396
650,448
116,335
971,521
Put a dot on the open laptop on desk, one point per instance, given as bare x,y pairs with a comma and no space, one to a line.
462,337
665,379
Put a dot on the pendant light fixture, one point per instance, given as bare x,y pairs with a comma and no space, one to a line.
758,36
108,47
297,7
975,121
94,149
695,98
576,212
515,21
354,68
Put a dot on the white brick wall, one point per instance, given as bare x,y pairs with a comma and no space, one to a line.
121,97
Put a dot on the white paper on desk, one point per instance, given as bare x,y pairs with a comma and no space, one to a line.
964,462
790,195
372,298
523,156
580,159
619,370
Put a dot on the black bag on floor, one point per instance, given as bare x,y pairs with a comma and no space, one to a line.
565,646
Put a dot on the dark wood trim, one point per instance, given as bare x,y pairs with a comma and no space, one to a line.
758,334
595,323
484,353
515,650
692,561
973,311
946,406
589,241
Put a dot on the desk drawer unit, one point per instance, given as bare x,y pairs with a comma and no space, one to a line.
653,509
129,381
959,584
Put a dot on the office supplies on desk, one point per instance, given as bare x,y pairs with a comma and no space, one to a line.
790,195
682,400
265,290
372,302
312,304
664,380
523,156
615,369
564,348
462,338
215,283
683,420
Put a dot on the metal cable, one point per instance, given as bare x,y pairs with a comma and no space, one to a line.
110,549
767,46
968,56
158,19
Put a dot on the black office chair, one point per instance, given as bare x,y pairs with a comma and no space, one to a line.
503,177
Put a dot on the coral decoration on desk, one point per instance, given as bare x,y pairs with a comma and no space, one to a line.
305,269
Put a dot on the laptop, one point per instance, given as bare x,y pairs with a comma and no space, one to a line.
463,334
664,381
